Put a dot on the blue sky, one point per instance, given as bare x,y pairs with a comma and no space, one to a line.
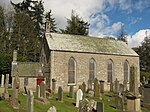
106,17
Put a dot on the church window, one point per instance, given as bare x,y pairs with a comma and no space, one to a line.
71,71
92,69
110,71
126,71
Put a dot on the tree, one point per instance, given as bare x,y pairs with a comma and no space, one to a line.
122,35
76,25
24,37
144,53
2,31
52,21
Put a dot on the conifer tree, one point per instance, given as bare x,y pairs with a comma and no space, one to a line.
52,21
144,53
76,25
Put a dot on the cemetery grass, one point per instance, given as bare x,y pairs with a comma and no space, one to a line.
68,104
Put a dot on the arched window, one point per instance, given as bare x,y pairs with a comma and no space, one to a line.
109,71
126,71
71,71
92,69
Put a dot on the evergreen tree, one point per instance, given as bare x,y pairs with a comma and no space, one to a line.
52,21
76,25
144,53
2,31
122,36
24,37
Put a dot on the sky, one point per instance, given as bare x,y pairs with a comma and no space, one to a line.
106,17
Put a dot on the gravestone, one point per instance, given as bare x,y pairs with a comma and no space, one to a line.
38,91
6,94
83,87
100,107
101,86
71,92
96,88
84,105
133,97
60,94
30,101
52,109
146,99
116,84
2,81
119,102
93,104
111,87
89,85
91,94
43,90
121,88
79,96
53,85
16,86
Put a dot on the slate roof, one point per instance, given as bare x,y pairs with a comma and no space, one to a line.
77,43
26,69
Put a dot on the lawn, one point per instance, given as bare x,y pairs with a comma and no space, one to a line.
66,106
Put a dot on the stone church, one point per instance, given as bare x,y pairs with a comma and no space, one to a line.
74,59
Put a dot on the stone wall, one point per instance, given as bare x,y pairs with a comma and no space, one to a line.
59,67
31,83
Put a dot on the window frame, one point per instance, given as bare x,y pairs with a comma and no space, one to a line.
111,71
92,62
74,70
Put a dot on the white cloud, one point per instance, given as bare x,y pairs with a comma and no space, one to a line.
142,4
136,39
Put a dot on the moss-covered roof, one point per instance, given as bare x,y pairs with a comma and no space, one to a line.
31,69
66,42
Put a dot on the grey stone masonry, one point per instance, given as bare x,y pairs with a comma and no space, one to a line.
116,83
133,81
2,81
6,94
60,94
30,101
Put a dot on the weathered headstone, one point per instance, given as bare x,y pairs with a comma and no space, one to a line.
6,94
96,88
71,91
53,85
101,86
16,86
38,91
116,84
100,107
91,94
52,109
146,99
60,94
111,87
121,88
2,81
83,87
119,102
89,85
133,97
79,96
30,101
84,105
43,89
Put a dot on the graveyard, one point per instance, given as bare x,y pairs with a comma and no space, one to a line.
82,100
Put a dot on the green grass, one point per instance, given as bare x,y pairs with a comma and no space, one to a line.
66,106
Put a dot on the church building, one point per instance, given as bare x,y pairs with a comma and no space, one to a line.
74,59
